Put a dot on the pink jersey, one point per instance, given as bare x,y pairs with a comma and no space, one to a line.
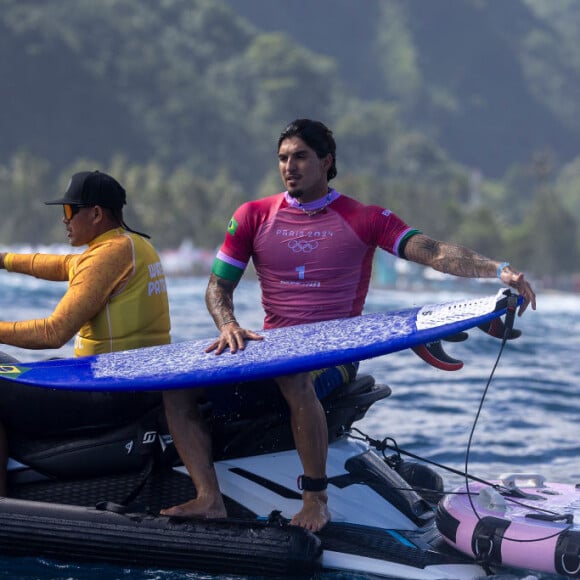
310,267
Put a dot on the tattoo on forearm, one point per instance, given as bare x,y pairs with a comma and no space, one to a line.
219,299
452,258
466,263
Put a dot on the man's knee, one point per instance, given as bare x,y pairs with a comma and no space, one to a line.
299,384
182,402
298,391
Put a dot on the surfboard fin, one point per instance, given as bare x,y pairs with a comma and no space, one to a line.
497,328
433,354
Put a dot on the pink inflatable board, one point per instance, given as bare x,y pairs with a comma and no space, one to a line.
521,521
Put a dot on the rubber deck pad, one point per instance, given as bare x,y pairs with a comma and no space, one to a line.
161,490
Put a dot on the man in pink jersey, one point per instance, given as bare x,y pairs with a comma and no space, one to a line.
312,248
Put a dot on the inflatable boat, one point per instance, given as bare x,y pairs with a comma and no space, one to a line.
520,520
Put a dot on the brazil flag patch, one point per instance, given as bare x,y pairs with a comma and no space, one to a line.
11,370
232,226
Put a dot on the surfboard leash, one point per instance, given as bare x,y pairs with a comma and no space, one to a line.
507,333
512,303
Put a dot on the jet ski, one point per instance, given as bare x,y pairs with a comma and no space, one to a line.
89,473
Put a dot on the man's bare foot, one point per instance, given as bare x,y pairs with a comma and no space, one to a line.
314,514
198,508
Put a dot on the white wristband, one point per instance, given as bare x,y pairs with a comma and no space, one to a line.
501,267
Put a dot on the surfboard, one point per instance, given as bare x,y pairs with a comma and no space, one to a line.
282,351
520,520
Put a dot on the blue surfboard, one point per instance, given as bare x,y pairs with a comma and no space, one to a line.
282,351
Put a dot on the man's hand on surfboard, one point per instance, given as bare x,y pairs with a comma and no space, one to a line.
232,336
516,280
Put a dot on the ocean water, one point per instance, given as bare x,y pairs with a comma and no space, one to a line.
528,420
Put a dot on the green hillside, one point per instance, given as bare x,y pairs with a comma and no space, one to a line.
461,115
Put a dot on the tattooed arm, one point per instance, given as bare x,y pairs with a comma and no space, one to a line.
449,258
461,261
219,299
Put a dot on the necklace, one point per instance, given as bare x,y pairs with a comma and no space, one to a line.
314,211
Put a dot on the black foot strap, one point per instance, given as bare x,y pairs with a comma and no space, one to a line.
311,484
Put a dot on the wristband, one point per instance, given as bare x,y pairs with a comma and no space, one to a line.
227,322
501,267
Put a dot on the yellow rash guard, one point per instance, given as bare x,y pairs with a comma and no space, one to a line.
116,297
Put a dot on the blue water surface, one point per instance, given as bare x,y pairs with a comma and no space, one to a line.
528,420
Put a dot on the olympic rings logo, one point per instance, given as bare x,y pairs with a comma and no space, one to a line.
298,246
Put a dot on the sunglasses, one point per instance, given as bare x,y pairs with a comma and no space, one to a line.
71,210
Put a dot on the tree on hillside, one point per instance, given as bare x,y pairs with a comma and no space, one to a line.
568,187
364,132
547,243
480,230
551,60
548,238
177,205
24,186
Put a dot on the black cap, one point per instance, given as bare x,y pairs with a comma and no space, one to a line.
93,188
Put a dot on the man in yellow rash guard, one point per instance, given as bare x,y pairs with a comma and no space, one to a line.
116,297
116,300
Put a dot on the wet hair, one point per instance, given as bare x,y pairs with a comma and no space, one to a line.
317,136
